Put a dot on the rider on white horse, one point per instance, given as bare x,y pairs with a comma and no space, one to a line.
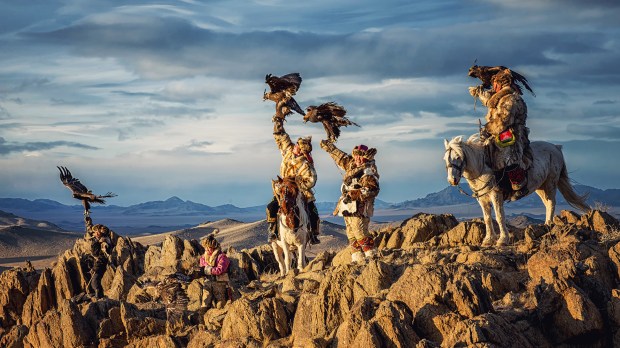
360,186
507,135
296,163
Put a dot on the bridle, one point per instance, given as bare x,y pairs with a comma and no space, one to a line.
475,193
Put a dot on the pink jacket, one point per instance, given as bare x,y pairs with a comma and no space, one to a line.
221,264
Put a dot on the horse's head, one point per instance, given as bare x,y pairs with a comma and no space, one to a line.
455,160
286,192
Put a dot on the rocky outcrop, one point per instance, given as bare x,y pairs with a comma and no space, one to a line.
431,285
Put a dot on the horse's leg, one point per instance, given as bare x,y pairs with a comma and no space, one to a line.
489,237
277,252
287,256
498,204
301,259
547,195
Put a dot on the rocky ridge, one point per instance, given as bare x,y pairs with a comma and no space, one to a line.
431,286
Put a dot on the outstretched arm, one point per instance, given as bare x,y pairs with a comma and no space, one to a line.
341,158
481,93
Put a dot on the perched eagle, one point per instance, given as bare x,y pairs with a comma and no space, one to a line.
282,90
486,73
80,191
332,117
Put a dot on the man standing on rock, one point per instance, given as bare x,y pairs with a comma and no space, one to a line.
100,247
296,163
360,186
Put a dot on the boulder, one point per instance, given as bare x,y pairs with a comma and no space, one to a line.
422,227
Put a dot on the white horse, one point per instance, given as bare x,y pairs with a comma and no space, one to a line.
293,224
546,175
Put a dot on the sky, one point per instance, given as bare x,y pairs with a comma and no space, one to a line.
157,99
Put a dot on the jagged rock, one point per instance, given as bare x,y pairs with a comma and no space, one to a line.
139,324
121,284
568,315
372,323
465,233
191,253
263,319
599,221
15,286
62,327
566,217
152,258
237,274
171,252
203,339
422,227
319,314
40,300
14,337
160,341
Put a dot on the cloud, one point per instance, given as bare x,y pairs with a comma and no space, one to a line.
10,147
4,114
604,102
595,131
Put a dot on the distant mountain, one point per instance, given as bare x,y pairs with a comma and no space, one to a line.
452,196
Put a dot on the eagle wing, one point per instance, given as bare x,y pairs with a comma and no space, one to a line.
289,83
333,117
70,182
80,191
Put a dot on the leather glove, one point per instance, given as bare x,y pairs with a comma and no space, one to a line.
475,91
208,270
327,145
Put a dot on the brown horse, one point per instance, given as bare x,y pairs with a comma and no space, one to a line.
293,224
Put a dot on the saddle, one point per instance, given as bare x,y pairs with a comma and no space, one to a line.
503,183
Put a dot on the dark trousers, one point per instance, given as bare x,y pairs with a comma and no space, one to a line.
95,282
313,214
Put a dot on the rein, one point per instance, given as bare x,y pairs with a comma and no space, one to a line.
475,193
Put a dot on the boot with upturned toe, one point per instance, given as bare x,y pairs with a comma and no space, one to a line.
273,229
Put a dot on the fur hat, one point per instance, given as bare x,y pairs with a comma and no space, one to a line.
364,151
503,78
305,144
210,241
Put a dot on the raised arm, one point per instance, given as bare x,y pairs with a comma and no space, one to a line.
341,158
283,141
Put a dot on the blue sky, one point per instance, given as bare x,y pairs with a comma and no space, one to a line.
155,99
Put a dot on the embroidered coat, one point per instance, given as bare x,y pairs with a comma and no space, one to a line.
364,178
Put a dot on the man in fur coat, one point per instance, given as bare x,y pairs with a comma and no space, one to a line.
506,130
296,163
360,186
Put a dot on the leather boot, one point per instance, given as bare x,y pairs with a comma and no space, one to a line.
314,238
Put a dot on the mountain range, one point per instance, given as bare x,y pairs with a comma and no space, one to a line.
174,212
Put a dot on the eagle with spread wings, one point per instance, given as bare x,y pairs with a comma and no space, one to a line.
486,73
80,191
282,90
331,115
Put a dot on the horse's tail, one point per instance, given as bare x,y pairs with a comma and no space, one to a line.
575,200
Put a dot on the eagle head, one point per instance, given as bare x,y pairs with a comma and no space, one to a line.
310,114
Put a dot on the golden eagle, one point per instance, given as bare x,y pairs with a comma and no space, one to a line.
486,73
282,90
331,115
80,191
